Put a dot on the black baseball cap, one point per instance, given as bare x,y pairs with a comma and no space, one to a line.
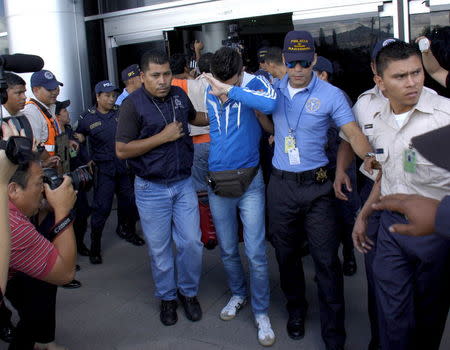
434,146
61,105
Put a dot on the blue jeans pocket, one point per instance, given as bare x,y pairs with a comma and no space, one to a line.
141,184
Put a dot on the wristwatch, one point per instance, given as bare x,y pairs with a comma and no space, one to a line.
370,155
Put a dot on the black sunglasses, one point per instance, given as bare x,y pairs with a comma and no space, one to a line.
303,63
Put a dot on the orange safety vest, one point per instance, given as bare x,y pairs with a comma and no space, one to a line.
182,83
53,128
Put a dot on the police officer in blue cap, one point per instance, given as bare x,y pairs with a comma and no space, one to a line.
299,195
132,80
99,126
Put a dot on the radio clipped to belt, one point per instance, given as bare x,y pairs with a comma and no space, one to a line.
231,183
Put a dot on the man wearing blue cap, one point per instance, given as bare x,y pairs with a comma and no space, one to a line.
40,110
99,125
132,80
300,192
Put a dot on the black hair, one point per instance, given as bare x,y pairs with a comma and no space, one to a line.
329,75
13,79
204,62
22,173
226,63
275,55
153,56
440,46
178,63
395,51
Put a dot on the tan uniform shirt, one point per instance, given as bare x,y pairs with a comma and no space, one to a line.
369,103
391,141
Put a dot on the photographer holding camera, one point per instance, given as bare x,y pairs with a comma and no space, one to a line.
7,168
35,256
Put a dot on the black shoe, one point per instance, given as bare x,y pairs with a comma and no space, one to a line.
83,250
168,314
349,265
72,285
121,232
191,307
374,344
304,249
296,324
134,239
95,259
8,333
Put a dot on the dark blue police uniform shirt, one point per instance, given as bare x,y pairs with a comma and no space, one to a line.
443,218
101,132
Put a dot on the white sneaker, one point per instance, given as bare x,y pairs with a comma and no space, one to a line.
266,336
229,311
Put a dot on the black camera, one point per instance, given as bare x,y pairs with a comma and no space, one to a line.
232,40
18,149
82,178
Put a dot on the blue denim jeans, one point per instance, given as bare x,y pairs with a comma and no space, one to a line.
169,213
200,166
251,209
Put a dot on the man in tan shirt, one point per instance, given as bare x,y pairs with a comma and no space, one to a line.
412,296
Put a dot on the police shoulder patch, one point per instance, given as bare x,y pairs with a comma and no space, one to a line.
94,125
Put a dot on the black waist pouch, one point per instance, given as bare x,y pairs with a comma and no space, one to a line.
231,183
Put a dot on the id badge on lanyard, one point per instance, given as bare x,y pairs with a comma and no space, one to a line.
290,143
291,149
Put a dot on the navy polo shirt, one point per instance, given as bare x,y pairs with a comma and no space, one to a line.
142,116
443,218
312,110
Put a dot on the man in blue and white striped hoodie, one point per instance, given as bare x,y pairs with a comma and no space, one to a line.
232,101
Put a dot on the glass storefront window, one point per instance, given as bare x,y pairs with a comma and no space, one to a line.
348,44
424,23
96,7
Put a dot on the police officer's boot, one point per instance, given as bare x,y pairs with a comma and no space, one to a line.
349,264
128,232
95,253
80,226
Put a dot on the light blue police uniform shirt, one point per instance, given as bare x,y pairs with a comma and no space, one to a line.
122,97
316,105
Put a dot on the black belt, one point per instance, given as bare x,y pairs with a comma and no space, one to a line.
318,175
